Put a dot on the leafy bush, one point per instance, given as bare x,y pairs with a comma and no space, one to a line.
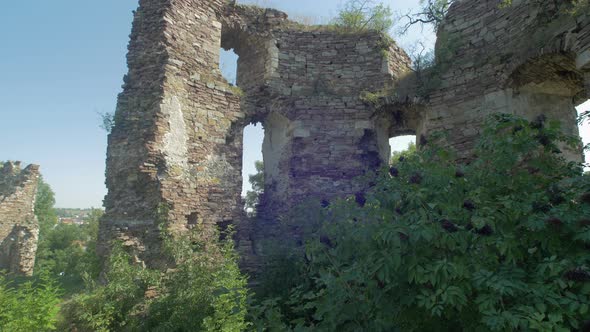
499,244
32,306
399,156
363,15
44,206
203,292
110,307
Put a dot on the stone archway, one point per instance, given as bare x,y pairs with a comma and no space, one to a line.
550,85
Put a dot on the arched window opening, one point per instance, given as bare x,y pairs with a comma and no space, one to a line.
401,147
253,167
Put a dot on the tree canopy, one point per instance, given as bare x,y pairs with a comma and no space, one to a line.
361,15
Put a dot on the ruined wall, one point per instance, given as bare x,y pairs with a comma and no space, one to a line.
527,59
176,146
317,120
175,153
19,229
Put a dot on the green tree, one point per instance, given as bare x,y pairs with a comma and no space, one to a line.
64,252
257,181
45,206
399,156
362,15
67,253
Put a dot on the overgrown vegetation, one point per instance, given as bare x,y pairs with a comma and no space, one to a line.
65,253
29,306
400,156
496,244
205,291
107,121
429,67
363,15
499,244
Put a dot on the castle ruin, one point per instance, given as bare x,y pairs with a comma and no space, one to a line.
19,229
177,140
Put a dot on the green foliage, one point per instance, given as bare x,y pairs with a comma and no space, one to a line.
205,291
377,98
434,12
399,156
32,306
67,253
363,15
580,7
499,244
430,12
257,181
44,206
107,121
110,307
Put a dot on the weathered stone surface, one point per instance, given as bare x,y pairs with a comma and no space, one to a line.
175,152
177,142
19,229
527,59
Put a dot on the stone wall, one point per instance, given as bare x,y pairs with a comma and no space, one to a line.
175,153
317,120
177,143
19,229
527,59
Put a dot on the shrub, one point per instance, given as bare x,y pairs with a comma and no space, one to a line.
203,292
109,307
206,291
68,252
32,306
500,245
363,15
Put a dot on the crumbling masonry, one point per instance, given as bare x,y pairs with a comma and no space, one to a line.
176,147
19,229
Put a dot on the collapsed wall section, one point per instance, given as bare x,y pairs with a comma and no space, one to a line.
19,228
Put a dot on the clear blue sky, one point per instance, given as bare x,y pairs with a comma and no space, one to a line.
62,63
